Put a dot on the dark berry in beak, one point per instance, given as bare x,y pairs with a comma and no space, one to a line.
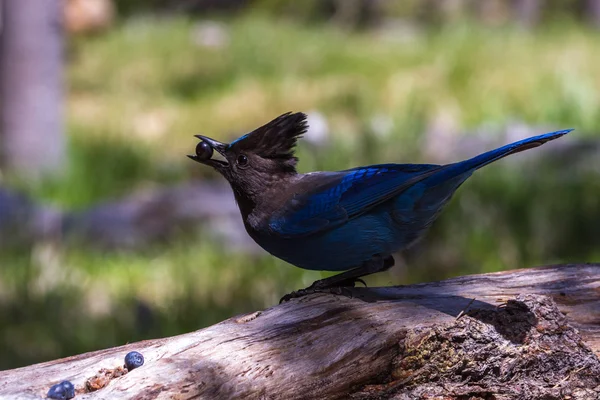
204,151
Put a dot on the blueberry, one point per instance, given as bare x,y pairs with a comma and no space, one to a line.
57,392
133,360
62,391
204,151
69,389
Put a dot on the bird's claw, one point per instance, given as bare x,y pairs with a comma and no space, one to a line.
361,281
319,288
296,294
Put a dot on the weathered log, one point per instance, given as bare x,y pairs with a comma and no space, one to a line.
529,334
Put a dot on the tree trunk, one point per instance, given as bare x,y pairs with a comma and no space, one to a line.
593,12
31,123
527,12
529,334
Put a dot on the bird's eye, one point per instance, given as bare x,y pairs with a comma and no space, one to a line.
204,151
242,160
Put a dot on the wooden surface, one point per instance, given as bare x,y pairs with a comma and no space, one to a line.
398,342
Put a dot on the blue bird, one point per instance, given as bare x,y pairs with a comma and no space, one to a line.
351,220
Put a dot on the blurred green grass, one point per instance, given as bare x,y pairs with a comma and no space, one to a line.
138,94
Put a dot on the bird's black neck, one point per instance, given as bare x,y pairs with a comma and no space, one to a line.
245,202
264,193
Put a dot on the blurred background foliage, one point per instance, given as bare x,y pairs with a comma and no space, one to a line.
407,81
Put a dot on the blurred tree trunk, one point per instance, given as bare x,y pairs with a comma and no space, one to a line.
353,14
593,12
491,12
527,12
31,122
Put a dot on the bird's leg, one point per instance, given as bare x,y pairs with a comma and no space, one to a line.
335,283
349,278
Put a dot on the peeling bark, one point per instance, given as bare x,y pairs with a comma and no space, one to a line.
529,334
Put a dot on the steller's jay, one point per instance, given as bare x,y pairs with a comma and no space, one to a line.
350,220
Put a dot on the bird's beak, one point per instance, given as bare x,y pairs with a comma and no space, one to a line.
218,147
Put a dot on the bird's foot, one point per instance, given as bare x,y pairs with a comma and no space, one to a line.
337,290
340,284
321,286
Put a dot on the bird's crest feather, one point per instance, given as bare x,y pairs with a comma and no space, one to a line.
276,139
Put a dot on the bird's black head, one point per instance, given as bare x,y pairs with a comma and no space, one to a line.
257,159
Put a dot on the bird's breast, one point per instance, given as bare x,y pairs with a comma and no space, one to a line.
342,248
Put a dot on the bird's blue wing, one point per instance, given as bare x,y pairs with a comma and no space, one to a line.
338,197
334,198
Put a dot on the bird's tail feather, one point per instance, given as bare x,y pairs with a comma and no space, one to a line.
469,166
525,144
